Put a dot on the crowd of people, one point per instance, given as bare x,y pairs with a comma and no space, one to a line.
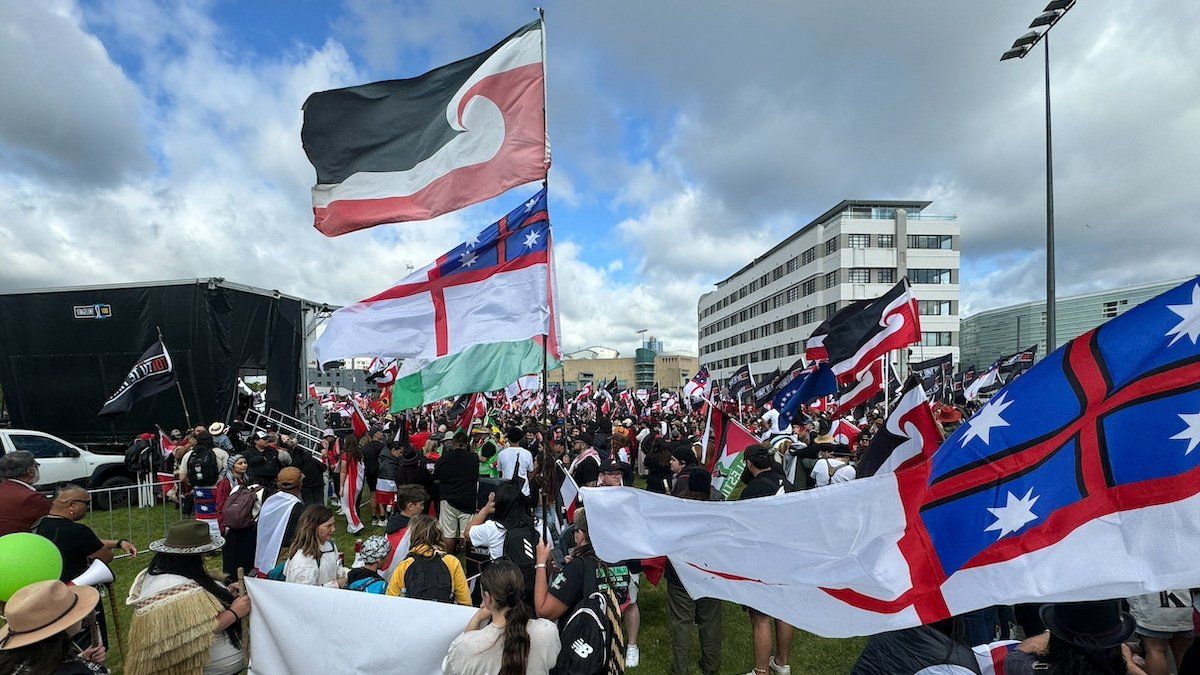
474,516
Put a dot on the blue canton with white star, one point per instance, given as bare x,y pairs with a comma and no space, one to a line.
525,233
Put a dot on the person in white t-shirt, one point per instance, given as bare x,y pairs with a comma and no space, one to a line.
515,460
505,509
834,467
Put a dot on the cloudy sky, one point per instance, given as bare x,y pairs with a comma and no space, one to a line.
146,140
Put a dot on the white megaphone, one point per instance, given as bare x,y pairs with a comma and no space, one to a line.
96,574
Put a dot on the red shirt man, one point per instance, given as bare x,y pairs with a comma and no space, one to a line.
20,503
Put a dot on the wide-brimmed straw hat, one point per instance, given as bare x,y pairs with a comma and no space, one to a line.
45,609
188,536
217,428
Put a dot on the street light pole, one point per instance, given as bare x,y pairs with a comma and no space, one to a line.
1050,16
1051,334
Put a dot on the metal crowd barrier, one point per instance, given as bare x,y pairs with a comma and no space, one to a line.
139,513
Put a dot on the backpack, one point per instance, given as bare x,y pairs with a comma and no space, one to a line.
520,545
428,578
202,467
139,457
238,512
593,637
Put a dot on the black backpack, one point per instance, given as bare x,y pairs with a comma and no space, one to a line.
140,457
428,578
593,636
202,468
520,547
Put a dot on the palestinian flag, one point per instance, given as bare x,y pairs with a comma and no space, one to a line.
417,148
730,439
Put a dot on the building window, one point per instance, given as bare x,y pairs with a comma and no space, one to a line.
793,294
792,265
859,275
777,273
934,307
793,321
764,355
793,348
808,286
754,285
939,241
1113,308
887,275
763,307
935,339
831,246
778,301
780,351
858,240
779,325
809,316
830,309
929,276
764,280
831,279
886,241
808,256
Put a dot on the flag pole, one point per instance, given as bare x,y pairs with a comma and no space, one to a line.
178,385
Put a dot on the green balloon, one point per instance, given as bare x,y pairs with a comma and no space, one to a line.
26,558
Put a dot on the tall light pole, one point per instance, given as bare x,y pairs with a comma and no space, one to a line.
1054,11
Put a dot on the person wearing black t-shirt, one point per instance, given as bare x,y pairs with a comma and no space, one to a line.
457,476
766,480
77,543
554,595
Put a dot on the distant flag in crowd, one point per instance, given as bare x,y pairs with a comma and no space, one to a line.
165,444
886,323
729,439
814,346
932,372
358,421
740,382
988,378
698,386
811,383
154,371
476,409
843,431
765,391
382,372
312,391
416,148
866,385
523,386
1036,498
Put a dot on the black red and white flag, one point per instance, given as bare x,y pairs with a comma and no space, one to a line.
765,391
416,148
153,372
910,435
886,323
866,385
814,346
1022,360
740,382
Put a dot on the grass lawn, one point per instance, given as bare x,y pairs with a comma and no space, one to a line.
810,654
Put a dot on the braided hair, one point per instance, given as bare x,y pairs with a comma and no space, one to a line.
503,581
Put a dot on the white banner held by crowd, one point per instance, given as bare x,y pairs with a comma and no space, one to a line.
304,629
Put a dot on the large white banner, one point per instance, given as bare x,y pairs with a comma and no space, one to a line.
310,629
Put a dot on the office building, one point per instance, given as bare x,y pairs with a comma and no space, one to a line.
988,335
600,364
762,314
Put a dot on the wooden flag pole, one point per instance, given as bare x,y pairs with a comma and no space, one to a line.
178,385
241,577
112,605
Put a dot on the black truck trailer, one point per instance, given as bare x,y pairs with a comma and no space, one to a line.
64,351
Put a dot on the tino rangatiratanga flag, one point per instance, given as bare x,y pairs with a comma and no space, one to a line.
153,372
416,148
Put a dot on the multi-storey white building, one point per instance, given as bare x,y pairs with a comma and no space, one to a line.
858,249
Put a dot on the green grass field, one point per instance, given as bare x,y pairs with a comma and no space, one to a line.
810,654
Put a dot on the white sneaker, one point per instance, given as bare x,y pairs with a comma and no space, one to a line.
777,669
633,656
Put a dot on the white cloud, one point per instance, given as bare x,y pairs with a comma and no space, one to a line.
68,114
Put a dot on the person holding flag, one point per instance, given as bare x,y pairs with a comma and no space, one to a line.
351,469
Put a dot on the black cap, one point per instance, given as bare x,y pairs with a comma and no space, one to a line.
611,466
